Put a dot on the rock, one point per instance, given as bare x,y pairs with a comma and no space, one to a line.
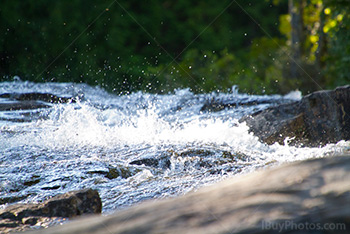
31,101
217,104
112,172
67,205
12,199
162,162
123,172
23,105
317,119
45,97
300,197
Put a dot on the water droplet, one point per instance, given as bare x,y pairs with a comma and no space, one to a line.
245,34
16,78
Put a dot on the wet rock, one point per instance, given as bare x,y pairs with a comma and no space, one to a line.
67,205
24,105
45,97
217,104
12,199
163,162
319,118
51,187
32,181
194,152
30,220
31,101
115,172
302,197
6,223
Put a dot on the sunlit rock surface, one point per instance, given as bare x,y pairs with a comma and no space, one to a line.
310,196
319,118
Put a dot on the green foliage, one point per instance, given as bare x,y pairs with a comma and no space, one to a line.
209,70
325,48
161,45
338,59
120,46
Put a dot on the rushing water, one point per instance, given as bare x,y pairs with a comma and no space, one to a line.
131,147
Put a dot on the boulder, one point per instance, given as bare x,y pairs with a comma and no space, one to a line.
67,205
317,119
301,197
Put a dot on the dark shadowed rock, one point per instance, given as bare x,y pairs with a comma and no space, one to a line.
302,197
45,97
114,172
24,105
31,101
319,118
67,205
217,104
162,162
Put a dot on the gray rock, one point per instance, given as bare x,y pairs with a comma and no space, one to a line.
67,205
319,118
304,197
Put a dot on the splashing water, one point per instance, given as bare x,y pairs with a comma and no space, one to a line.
132,147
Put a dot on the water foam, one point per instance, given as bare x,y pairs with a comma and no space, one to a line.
82,125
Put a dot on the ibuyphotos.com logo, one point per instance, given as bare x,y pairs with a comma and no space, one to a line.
302,226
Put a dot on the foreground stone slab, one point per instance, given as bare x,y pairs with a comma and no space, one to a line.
71,204
305,197
319,118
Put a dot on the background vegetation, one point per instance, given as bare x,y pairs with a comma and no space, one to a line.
156,46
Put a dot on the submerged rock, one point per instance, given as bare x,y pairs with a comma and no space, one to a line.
308,196
317,119
67,205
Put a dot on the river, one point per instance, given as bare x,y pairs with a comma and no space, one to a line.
131,147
